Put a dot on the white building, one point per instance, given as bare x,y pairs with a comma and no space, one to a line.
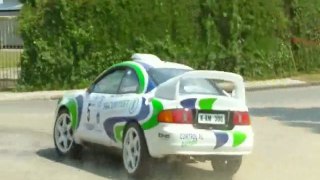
10,7
9,37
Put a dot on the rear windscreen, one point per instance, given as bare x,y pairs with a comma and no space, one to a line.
161,75
199,86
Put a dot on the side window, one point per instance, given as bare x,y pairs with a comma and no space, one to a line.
109,84
130,83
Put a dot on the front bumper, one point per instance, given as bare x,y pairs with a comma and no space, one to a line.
183,139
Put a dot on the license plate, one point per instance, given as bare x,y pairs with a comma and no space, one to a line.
217,119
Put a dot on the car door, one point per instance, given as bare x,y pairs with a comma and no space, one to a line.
100,93
121,107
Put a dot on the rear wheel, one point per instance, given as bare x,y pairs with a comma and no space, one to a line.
63,135
226,165
135,153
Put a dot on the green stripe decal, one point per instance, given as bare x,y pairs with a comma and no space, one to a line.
206,104
153,121
119,133
72,107
139,72
238,138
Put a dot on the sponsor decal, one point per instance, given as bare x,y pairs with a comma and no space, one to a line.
190,139
133,106
163,136
116,105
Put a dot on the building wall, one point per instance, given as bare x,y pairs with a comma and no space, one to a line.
9,36
9,13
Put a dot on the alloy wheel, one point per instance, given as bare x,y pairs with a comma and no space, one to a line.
131,150
63,133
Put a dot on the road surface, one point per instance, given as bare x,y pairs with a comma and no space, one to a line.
286,124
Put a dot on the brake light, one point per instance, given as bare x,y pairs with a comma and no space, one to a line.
181,116
241,118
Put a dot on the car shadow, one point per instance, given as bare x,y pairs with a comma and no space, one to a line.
109,165
295,117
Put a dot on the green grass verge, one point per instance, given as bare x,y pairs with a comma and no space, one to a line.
312,77
10,58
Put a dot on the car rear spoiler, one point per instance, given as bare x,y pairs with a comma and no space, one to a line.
170,89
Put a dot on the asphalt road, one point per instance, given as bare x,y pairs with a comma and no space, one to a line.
286,124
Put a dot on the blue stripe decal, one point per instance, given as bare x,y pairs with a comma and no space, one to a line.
151,85
222,139
111,122
79,100
189,103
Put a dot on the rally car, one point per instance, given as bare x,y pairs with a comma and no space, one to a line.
149,108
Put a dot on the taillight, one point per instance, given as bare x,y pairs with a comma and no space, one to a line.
241,118
182,116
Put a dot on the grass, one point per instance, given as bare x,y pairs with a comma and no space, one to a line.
10,58
311,77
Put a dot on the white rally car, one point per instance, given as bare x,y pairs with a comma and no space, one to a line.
149,108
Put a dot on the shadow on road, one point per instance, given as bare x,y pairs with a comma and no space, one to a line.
110,166
296,117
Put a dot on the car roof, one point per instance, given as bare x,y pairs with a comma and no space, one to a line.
151,61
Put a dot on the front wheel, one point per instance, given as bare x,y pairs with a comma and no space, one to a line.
226,165
135,153
63,135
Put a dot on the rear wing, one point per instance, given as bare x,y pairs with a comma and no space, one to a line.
170,89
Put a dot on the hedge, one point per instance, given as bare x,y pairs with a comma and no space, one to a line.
68,43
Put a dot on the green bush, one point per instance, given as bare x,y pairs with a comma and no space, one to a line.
68,43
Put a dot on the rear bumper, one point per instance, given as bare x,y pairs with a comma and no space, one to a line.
183,139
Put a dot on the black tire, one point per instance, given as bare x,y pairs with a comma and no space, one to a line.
75,149
226,165
144,159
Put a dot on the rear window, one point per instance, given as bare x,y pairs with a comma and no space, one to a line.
187,86
199,86
161,75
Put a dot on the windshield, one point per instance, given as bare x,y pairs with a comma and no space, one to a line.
161,75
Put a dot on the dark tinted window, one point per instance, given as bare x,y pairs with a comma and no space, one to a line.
161,75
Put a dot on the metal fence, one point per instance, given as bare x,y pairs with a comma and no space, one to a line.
10,53
9,68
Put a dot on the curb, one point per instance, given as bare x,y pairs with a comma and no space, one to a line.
281,86
38,95
55,95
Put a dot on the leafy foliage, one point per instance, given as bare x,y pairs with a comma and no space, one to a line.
68,43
